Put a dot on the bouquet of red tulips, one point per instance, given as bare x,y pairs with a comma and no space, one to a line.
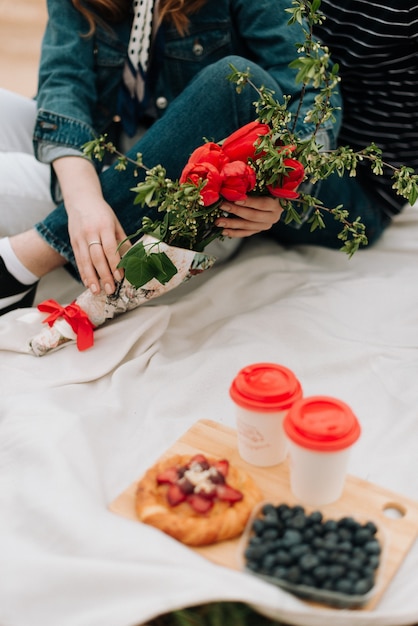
171,249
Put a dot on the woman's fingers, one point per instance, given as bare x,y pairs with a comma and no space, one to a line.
246,218
96,248
100,267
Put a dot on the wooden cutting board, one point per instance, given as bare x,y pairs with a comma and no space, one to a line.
396,515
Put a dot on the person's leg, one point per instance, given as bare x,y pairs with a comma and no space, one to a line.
17,119
18,284
333,192
24,199
24,182
208,108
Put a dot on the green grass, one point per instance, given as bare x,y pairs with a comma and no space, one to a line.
214,614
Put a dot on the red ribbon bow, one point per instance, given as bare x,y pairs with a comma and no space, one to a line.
76,318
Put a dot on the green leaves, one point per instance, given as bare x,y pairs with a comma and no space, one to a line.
184,221
143,264
406,184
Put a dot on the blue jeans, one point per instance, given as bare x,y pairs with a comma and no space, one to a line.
356,199
209,107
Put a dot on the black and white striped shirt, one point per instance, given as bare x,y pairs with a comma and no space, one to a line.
375,44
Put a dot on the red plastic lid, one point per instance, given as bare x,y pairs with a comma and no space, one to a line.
265,387
322,423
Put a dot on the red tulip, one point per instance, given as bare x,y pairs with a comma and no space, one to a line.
295,173
238,179
242,144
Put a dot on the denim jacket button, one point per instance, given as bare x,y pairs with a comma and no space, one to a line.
161,102
197,49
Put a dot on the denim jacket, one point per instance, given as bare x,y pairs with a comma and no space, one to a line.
79,76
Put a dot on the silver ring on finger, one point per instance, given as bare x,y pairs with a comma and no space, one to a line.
93,243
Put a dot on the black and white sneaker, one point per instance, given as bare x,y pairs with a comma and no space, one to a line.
13,294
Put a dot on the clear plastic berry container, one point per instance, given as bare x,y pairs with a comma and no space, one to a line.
335,561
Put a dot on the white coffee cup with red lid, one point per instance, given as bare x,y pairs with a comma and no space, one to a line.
321,431
263,393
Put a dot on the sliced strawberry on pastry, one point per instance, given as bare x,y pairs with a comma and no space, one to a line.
226,493
199,503
200,459
175,495
222,467
169,476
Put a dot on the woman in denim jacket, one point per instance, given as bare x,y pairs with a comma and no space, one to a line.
84,83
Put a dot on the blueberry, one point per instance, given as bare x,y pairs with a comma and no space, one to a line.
362,586
328,584
268,562
298,510
258,526
336,571
330,525
374,561
345,546
318,542
308,534
283,558
277,544
371,526
322,554
372,547
361,536
344,585
315,517
348,522
308,580
357,563
292,537
320,573
271,522
255,540
298,550
345,534
269,509
368,572
358,553
331,537
308,562
298,522
342,558
284,511
294,574
270,534
279,572
318,528
254,553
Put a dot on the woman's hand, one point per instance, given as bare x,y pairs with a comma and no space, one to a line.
95,232
250,216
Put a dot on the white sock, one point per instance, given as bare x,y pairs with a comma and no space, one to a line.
14,265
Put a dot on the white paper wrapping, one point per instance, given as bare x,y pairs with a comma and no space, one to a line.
101,307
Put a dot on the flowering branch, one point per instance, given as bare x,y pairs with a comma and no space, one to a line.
275,162
264,157
314,66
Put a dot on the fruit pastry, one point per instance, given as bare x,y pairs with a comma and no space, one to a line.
198,500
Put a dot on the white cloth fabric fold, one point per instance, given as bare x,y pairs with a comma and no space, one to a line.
77,428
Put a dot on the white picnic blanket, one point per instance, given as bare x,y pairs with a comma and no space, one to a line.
76,428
